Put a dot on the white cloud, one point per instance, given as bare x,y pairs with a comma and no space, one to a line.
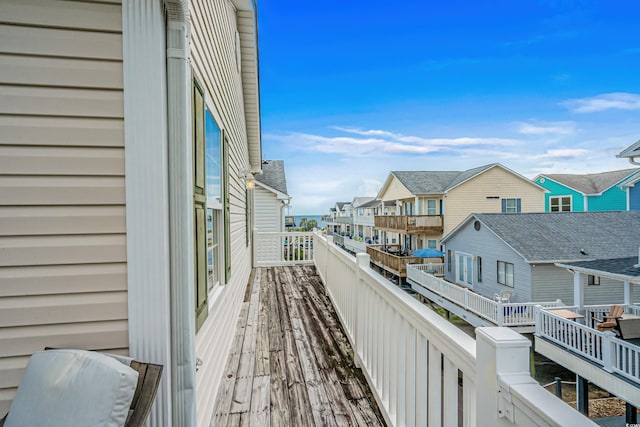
545,128
606,101
563,153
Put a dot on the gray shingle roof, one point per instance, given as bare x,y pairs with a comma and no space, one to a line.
594,183
619,266
358,202
340,205
273,175
435,182
370,204
560,236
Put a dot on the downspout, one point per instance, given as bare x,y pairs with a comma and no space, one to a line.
181,213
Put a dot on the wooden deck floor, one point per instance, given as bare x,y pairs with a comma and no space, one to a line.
291,364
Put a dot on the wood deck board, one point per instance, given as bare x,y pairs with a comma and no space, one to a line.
290,362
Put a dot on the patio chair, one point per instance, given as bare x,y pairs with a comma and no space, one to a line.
503,296
83,388
610,320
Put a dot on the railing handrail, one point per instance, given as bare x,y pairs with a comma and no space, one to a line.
412,357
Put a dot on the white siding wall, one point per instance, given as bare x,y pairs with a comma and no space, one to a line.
267,210
213,54
62,217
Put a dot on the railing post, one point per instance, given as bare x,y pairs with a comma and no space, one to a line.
500,313
362,262
537,315
608,351
326,264
502,359
466,299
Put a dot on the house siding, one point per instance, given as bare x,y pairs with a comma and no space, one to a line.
395,191
634,197
62,190
215,65
556,189
487,245
614,199
268,210
549,283
471,196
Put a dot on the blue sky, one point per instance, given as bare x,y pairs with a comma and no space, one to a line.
351,90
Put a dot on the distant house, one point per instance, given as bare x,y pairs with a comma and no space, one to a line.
632,185
344,218
289,222
491,253
365,209
586,192
434,202
270,197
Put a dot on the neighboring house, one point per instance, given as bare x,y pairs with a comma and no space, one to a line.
632,187
365,210
146,111
587,192
270,197
432,203
495,252
344,218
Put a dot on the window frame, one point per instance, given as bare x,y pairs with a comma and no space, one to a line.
435,206
593,280
560,203
517,208
505,280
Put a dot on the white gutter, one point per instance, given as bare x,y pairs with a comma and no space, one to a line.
181,257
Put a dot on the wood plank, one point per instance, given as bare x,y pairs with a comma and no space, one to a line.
65,72
262,334
74,15
56,220
20,100
59,131
260,401
67,161
280,412
337,399
63,43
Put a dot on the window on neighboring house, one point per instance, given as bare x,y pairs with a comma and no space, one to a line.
511,205
408,208
479,268
505,273
449,260
432,207
432,243
211,200
560,204
593,280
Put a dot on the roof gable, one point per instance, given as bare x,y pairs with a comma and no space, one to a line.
273,175
631,151
564,236
591,184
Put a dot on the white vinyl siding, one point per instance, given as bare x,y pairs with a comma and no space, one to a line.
62,189
215,66
268,210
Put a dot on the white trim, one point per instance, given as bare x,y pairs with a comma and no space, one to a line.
560,202
147,193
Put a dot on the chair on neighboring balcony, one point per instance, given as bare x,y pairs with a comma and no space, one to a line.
610,321
503,296
83,388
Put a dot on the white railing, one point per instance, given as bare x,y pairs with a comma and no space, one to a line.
602,348
418,364
599,311
498,313
274,248
353,245
436,269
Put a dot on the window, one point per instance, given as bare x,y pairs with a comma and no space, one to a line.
511,205
432,243
408,208
593,280
449,258
432,206
505,273
211,202
560,204
479,268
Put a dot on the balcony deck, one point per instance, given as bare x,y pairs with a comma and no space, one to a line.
291,363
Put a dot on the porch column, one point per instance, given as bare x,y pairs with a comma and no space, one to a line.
631,415
578,290
628,293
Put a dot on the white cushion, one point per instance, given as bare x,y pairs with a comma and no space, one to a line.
73,388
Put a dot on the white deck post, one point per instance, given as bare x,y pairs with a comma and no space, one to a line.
608,351
362,262
499,352
578,291
628,293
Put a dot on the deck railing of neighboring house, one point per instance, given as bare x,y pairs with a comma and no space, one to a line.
498,313
437,269
409,224
602,348
418,364
351,245
392,261
599,311
275,248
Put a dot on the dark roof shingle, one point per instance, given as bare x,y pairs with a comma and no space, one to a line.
594,183
273,175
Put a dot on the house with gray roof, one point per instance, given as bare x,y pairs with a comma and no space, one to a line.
490,253
270,197
587,192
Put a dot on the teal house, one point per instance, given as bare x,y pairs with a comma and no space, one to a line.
588,192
